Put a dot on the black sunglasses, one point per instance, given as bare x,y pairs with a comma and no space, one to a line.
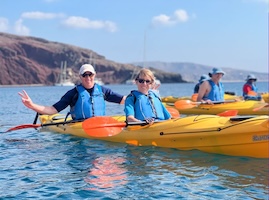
85,75
143,81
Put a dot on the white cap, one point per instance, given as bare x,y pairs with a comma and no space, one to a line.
86,68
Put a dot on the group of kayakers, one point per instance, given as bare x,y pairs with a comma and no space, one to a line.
87,99
209,88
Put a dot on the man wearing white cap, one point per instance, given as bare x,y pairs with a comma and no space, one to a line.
85,100
212,89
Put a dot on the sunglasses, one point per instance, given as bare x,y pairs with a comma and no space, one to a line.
143,81
87,75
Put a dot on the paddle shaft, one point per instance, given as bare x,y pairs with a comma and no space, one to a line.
119,124
216,102
23,126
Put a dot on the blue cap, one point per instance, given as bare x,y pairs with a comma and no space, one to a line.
251,77
203,78
216,71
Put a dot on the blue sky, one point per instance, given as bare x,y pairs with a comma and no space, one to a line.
219,33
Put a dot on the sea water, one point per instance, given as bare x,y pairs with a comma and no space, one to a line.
46,165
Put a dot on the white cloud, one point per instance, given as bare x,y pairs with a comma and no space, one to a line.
165,20
4,24
181,16
41,15
20,28
85,23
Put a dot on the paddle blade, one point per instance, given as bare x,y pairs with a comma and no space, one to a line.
102,126
252,93
194,97
185,104
228,113
24,126
173,112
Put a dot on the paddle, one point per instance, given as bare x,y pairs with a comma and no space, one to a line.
252,93
228,113
173,112
186,104
261,107
194,97
22,126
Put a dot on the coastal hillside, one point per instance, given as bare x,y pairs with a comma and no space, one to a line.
30,60
191,72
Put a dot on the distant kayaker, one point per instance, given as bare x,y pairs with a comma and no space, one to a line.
250,90
212,89
203,78
85,100
143,104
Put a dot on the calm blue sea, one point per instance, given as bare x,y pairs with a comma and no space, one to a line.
46,165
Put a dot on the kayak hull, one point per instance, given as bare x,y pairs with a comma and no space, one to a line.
243,108
208,133
172,99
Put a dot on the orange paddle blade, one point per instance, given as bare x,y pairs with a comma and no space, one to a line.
102,126
186,104
252,93
228,113
173,112
24,126
194,97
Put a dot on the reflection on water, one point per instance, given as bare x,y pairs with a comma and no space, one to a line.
107,172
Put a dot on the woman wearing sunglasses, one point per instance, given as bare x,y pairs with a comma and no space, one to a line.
85,100
143,104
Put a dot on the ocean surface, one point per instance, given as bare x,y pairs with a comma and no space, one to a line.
44,165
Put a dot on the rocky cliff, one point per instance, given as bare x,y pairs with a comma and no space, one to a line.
30,60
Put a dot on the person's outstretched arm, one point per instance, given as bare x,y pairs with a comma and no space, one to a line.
27,101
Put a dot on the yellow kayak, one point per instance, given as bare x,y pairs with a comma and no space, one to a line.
172,99
235,136
243,107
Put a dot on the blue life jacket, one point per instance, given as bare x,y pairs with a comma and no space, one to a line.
216,93
144,108
253,88
88,105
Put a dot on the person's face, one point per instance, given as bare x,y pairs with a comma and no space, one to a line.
252,80
87,80
144,84
216,77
